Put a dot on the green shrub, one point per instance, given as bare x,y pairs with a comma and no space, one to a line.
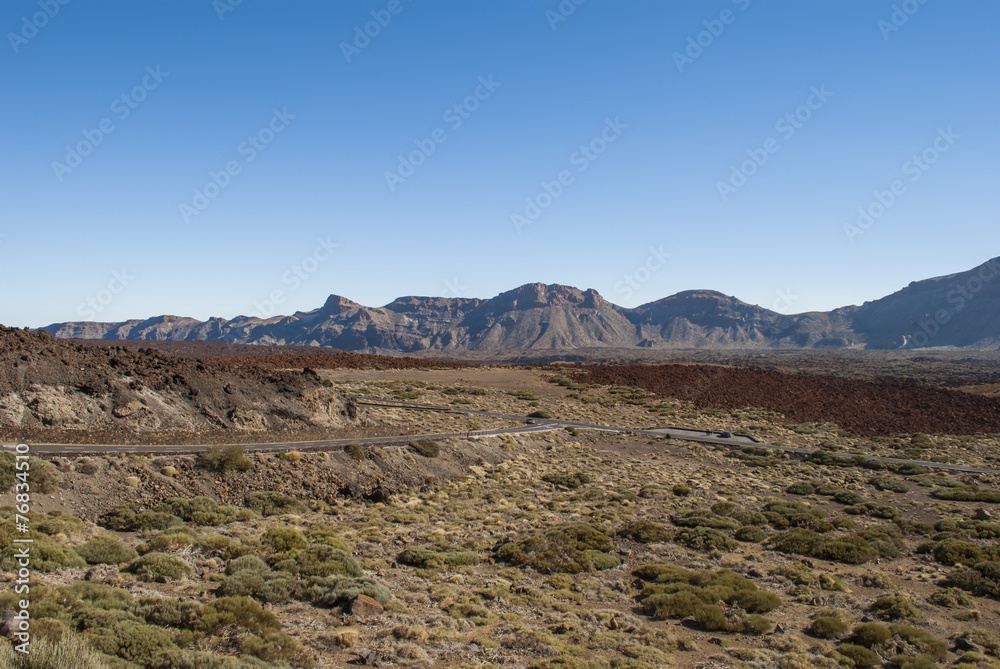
204,511
710,617
165,611
284,538
273,503
540,414
601,561
681,490
57,522
956,551
325,534
126,518
890,484
967,494
154,566
105,549
220,459
264,638
7,471
133,642
46,553
859,655
263,586
704,518
339,591
677,592
570,480
828,627
356,451
895,607
953,598
801,488
982,580
432,556
750,534
560,549
704,539
870,635
926,643
247,563
645,532
321,560
426,447
849,497
69,652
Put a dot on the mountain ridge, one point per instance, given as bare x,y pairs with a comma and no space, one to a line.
956,310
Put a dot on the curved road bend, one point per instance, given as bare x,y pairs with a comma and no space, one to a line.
541,425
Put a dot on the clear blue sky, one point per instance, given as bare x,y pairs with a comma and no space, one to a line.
778,240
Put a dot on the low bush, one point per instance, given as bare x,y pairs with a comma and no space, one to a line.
750,534
356,451
426,447
203,511
801,488
925,642
157,566
895,607
284,538
325,534
645,532
704,539
433,556
338,591
571,480
870,635
828,627
263,586
126,518
561,549
273,503
859,655
704,518
220,459
316,560
967,494
105,549
247,563
956,551
982,580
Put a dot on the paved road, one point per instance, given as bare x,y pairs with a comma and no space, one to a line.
540,425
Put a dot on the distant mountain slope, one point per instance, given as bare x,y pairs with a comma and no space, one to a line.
958,310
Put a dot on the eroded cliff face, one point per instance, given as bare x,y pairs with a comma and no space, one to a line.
50,383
